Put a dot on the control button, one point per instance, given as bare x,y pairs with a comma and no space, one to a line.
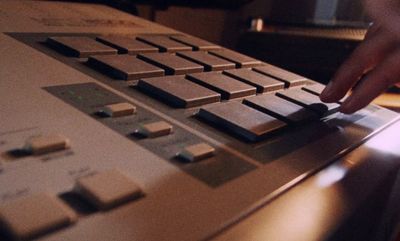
314,88
241,61
197,152
81,47
45,144
108,189
309,101
280,108
178,91
31,216
196,43
263,83
155,129
228,87
119,109
210,62
124,67
164,43
126,45
241,120
289,78
171,63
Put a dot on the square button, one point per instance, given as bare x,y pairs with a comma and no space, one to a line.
35,215
108,189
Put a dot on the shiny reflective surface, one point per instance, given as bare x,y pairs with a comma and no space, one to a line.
323,207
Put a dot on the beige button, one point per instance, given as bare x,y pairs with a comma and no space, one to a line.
197,152
38,214
108,189
155,129
119,109
45,144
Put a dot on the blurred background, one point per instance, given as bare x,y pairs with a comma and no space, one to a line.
310,37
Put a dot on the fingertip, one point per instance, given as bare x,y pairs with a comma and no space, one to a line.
331,93
351,105
346,109
327,92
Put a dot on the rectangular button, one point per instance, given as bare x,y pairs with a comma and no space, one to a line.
228,87
241,61
263,83
196,43
210,62
280,108
126,45
155,129
31,216
171,63
46,144
119,109
241,120
308,100
178,91
164,43
108,189
197,152
125,67
81,47
289,78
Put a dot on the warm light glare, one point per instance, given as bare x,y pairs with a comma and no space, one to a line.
330,176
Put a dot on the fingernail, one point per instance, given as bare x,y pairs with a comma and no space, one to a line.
327,92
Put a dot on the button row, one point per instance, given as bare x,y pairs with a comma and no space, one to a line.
290,79
210,62
35,215
83,47
148,65
172,64
280,108
241,120
158,64
126,45
262,115
309,100
38,214
178,91
124,67
204,88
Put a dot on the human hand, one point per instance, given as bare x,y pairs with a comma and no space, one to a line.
375,64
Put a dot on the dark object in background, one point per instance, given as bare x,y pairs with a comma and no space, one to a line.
227,4
310,51
162,4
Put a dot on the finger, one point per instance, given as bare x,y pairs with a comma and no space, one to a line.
364,58
377,81
373,30
386,12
